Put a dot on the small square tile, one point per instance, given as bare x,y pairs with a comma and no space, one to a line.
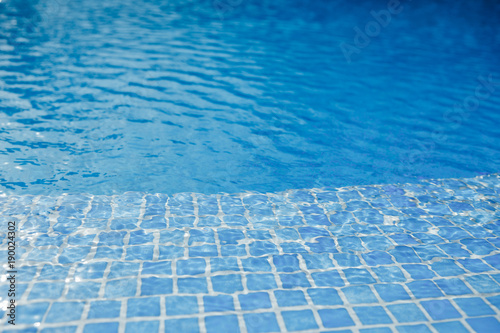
123,269
389,274
139,252
156,286
440,309
83,290
142,326
254,301
90,271
327,279
261,282
101,327
450,326
53,272
46,290
318,261
290,297
203,251
222,324
420,328
299,320
141,307
219,303
483,283
261,322
484,324
181,305
224,264
447,268
256,265
228,284
104,309
333,318
31,313
359,294
391,292
157,268
419,272
358,276
120,288
294,280
182,325
191,266
170,252
407,312
64,311
260,248
372,315
324,296
104,252
424,289
192,285
286,263
453,286
474,306
60,329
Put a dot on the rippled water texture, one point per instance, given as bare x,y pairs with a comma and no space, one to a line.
233,95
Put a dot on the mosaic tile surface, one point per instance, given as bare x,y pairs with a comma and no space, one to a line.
389,258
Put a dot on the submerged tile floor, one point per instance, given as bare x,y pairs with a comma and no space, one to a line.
389,258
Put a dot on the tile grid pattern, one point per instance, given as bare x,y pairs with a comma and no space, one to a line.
393,257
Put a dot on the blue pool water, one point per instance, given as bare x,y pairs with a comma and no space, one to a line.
209,96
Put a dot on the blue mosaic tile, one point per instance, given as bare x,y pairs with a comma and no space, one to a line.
46,290
450,326
192,285
261,322
372,315
156,286
104,309
182,325
328,279
440,309
474,306
228,284
294,280
142,326
424,289
223,324
453,286
484,324
428,251
359,295
254,301
299,320
334,318
261,281
290,298
120,288
83,290
101,327
420,328
406,312
324,296
391,292
219,303
64,311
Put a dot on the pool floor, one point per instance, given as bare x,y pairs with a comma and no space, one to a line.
381,258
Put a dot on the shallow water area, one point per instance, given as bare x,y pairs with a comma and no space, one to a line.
183,96
406,257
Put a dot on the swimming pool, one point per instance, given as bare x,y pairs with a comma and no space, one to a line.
216,166
193,96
